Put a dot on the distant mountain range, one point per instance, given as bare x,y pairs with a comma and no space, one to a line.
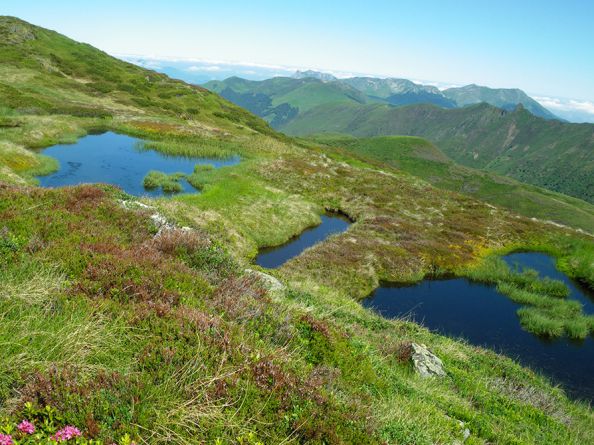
499,130
298,90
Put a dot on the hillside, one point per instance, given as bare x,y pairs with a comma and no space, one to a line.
44,72
555,155
145,320
423,159
400,91
505,98
281,99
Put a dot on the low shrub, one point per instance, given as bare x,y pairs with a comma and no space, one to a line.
46,426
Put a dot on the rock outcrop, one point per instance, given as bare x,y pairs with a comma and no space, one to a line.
425,362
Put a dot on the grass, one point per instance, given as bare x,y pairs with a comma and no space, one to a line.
548,312
207,148
21,165
166,339
168,183
154,333
423,159
472,136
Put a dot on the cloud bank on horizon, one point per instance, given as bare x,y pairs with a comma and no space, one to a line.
196,70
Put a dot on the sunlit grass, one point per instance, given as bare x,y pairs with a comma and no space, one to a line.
549,312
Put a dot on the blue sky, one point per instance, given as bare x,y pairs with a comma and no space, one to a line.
544,47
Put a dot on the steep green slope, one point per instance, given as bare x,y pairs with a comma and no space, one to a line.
128,326
506,98
45,72
421,158
552,154
280,99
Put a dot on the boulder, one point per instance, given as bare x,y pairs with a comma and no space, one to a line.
271,284
425,362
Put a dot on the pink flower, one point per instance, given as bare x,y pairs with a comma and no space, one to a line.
6,439
66,433
26,427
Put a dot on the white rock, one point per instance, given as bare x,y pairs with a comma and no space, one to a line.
425,362
271,284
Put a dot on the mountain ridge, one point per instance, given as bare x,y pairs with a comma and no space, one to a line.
505,98
548,153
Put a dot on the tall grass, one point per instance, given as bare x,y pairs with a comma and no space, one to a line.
168,183
39,328
206,148
548,312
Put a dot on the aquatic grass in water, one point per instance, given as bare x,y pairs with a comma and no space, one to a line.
129,164
168,183
540,323
207,148
549,312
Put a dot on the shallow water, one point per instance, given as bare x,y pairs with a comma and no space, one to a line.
478,313
273,257
115,159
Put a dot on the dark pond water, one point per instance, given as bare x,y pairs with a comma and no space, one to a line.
478,313
115,159
272,257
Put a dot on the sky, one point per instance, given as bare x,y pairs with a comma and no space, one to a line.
545,47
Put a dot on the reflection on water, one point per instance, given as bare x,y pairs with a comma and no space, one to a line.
115,159
272,257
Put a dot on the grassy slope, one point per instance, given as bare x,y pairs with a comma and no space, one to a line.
301,93
167,339
506,98
551,154
261,97
423,159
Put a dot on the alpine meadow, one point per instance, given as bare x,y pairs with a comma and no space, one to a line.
136,208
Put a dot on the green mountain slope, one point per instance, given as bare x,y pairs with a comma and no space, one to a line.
504,98
400,91
135,330
45,72
421,158
280,99
552,154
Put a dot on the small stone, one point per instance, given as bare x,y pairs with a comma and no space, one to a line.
271,283
425,362
466,433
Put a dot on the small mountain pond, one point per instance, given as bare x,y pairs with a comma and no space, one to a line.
477,312
117,159
273,257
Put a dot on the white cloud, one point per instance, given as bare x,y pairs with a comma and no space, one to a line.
556,103
212,68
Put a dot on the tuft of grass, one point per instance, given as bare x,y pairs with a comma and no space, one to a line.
548,312
207,148
169,183
538,322
198,168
